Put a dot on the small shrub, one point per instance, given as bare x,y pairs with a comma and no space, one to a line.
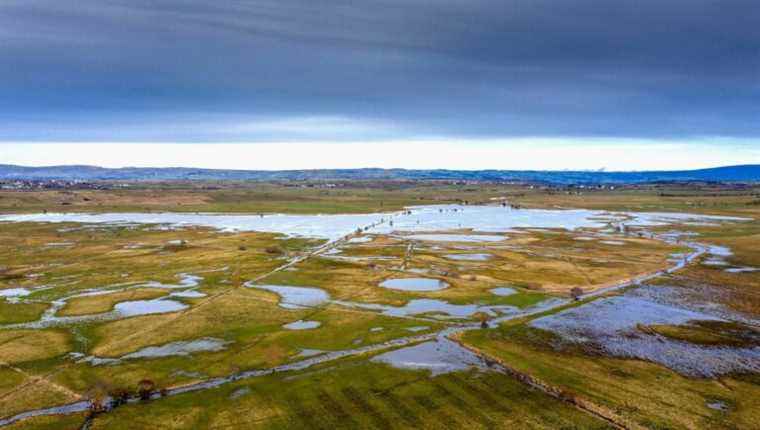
145,388
274,250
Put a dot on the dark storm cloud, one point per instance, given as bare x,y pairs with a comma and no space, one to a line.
298,69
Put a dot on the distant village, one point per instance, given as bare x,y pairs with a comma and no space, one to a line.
56,184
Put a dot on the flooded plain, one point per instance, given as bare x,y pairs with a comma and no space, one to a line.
436,218
608,324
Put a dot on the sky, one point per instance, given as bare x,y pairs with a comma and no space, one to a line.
270,84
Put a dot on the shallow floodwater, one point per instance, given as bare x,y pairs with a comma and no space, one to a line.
651,219
495,219
307,352
612,242
190,294
414,284
715,262
295,297
361,239
503,291
611,324
585,238
433,307
469,257
456,237
743,269
121,310
320,226
183,348
185,281
148,307
179,348
430,219
14,292
302,325
439,356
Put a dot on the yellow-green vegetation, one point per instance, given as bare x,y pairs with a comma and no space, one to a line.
11,313
118,256
358,394
19,346
363,197
709,333
91,269
534,263
68,422
22,385
644,393
697,198
243,197
737,291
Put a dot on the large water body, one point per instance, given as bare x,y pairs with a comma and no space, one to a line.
422,219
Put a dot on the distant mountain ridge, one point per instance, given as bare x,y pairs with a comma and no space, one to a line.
743,173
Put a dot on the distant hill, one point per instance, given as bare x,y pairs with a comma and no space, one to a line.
745,173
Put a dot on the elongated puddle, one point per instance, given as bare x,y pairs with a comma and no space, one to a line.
14,292
302,325
433,308
469,257
414,284
179,348
457,237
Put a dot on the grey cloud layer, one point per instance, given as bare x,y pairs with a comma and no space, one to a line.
198,70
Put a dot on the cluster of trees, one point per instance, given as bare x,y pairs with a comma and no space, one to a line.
104,400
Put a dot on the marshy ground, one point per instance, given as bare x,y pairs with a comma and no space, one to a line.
263,329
